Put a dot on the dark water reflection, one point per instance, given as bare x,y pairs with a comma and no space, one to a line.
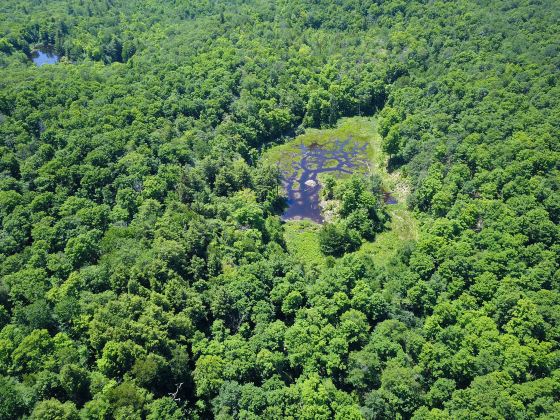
388,198
301,183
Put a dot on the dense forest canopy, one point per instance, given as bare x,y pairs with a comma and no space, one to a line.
144,271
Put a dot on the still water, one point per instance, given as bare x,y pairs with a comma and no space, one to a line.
40,58
301,183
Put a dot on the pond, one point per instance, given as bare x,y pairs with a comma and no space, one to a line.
40,58
301,180
388,198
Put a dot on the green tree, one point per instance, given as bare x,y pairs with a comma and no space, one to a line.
54,410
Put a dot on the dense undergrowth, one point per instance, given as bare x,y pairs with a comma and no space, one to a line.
144,272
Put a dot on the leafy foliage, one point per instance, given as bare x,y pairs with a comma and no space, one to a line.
143,267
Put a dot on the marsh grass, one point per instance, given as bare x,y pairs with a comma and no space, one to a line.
302,236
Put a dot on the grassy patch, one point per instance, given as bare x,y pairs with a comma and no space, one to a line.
403,227
359,130
302,240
